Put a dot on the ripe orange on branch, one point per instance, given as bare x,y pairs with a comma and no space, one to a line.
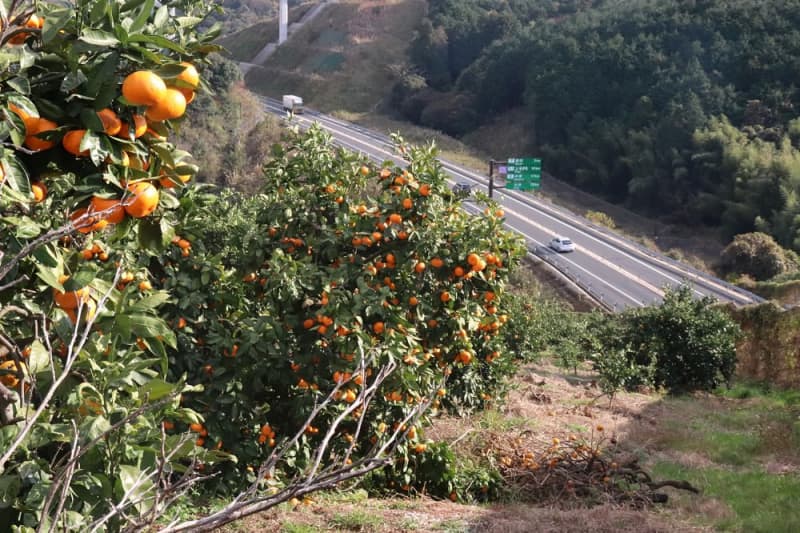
189,75
172,105
143,200
21,113
38,189
86,224
72,143
110,120
9,379
34,126
168,183
116,212
68,299
144,87
139,128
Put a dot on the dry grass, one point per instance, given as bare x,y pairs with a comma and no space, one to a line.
426,515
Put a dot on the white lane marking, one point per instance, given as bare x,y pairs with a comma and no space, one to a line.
577,229
630,275
622,246
563,259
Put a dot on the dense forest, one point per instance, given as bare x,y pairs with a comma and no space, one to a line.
682,109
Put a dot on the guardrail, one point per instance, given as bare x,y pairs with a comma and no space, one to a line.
548,256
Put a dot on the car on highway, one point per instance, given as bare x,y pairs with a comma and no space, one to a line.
561,244
462,188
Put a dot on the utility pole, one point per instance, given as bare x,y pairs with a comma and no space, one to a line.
283,22
492,165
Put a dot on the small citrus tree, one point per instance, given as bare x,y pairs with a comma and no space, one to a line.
337,269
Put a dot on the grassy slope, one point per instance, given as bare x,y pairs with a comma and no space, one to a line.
245,44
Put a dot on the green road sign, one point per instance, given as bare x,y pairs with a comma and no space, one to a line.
523,174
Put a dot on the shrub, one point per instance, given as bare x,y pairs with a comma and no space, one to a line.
292,307
684,344
601,219
756,254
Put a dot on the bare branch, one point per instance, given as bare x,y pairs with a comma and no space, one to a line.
67,475
76,344
314,479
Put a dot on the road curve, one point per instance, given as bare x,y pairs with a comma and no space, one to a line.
617,272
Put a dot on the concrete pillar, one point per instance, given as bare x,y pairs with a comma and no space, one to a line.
283,21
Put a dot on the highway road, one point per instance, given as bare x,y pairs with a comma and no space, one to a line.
617,272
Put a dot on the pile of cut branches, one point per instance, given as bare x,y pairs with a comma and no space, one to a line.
588,470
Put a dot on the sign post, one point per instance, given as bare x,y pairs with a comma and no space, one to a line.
521,173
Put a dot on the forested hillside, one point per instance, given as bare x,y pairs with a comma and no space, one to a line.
684,109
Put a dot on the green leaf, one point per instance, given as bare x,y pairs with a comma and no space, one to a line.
10,486
168,200
151,327
162,16
188,22
151,301
25,227
16,176
97,427
82,278
185,169
47,255
123,325
157,389
56,20
98,146
24,103
22,85
150,235
27,58
168,226
50,109
121,33
72,81
49,275
90,119
170,71
142,18
161,42
99,38
102,74
39,358
132,480
98,11
130,5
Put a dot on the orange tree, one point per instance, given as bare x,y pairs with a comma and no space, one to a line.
335,268
89,183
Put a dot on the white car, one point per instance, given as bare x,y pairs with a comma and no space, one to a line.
562,244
